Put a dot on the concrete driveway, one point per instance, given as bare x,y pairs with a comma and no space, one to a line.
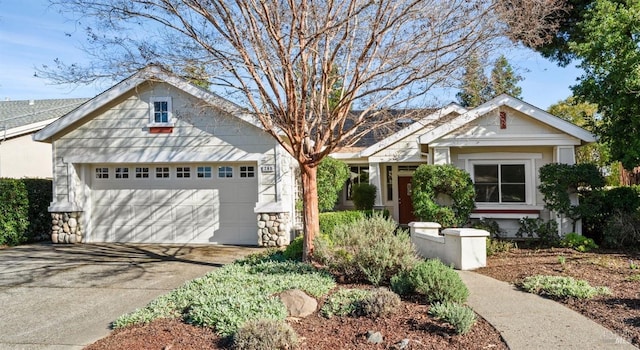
66,296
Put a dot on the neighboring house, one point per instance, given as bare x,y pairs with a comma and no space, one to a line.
20,156
156,159
502,144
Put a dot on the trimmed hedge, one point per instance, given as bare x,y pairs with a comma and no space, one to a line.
23,210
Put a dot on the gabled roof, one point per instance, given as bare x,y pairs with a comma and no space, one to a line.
514,103
150,73
429,121
25,116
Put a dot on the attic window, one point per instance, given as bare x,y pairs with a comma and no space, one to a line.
160,115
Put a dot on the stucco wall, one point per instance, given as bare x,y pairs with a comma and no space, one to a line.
22,157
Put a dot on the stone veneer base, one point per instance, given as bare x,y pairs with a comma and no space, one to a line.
273,229
66,228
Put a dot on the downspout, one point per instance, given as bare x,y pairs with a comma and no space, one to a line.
4,137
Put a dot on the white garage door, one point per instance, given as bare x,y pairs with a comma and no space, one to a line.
185,203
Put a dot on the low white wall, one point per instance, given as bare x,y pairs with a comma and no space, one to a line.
464,248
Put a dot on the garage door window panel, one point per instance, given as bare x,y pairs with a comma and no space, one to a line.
247,171
122,173
183,172
204,172
225,172
142,173
162,172
102,173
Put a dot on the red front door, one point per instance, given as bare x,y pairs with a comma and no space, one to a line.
405,206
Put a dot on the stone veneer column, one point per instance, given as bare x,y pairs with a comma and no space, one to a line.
66,227
273,229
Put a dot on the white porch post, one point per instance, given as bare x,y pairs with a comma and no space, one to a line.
376,180
567,155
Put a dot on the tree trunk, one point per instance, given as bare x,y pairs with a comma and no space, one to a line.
310,211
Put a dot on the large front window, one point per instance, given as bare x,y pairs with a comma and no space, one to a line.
500,183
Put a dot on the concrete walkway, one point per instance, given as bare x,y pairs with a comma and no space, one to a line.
528,321
66,296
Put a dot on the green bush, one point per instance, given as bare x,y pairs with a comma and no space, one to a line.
344,302
546,232
265,335
431,182
495,245
363,196
329,221
40,195
461,317
366,250
562,287
578,242
401,283
14,212
228,297
437,282
380,302
294,249
331,177
622,231
488,225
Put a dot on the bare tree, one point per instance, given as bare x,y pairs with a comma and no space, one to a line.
280,57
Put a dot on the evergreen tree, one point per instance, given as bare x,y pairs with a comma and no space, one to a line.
475,86
504,79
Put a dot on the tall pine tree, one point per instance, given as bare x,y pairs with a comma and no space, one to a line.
504,79
477,89
475,85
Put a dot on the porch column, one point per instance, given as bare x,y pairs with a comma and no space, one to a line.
376,180
567,155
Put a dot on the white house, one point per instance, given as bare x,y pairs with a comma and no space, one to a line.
20,155
502,144
155,159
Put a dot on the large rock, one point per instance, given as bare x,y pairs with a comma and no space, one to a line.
298,303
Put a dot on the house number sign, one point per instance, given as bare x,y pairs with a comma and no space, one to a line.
267,168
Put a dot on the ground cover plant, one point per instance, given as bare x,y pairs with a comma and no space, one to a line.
230,296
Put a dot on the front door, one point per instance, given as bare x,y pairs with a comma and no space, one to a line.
405,206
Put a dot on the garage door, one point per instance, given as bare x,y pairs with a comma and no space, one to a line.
187,203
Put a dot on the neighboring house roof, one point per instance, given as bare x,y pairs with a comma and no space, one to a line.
512,102
25,116
150,73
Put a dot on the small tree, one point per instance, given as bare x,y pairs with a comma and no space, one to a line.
504,80
559,181
332,175
443,194
475,85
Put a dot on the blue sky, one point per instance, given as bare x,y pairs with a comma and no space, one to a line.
31,34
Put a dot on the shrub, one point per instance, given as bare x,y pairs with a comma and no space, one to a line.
265,335
401,283
562,287
367,250
578,242
39,195
433,181
495,245
380,302
488,225
622,230
344,302
14,212
294,249
545,231
329,221
331,177
461,317
438,282
364,196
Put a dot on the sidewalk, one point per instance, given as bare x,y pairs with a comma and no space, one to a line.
528,321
